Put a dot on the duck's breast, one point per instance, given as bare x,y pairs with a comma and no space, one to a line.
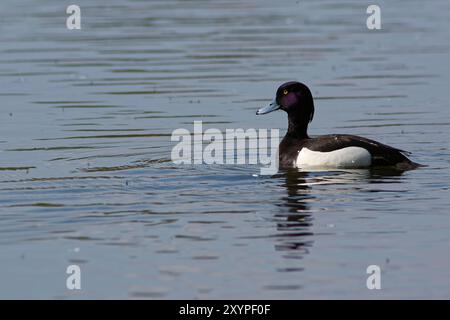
349,157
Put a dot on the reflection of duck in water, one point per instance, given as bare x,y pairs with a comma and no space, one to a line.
297,221
295,218
299,150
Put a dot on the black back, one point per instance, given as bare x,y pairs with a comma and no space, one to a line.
382,155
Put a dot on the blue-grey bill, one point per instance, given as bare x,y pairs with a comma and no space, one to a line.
269,108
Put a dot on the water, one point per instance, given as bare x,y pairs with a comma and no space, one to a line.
85,170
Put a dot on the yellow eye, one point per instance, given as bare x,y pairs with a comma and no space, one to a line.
285,92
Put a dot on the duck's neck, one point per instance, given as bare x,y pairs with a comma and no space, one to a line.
298,126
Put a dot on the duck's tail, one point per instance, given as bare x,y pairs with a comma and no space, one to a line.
408,165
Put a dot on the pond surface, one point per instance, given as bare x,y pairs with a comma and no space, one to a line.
86,177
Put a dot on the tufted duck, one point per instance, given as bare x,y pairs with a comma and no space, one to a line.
297,149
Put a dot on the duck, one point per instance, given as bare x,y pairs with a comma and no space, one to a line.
341,151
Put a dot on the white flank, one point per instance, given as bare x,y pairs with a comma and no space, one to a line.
350,157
